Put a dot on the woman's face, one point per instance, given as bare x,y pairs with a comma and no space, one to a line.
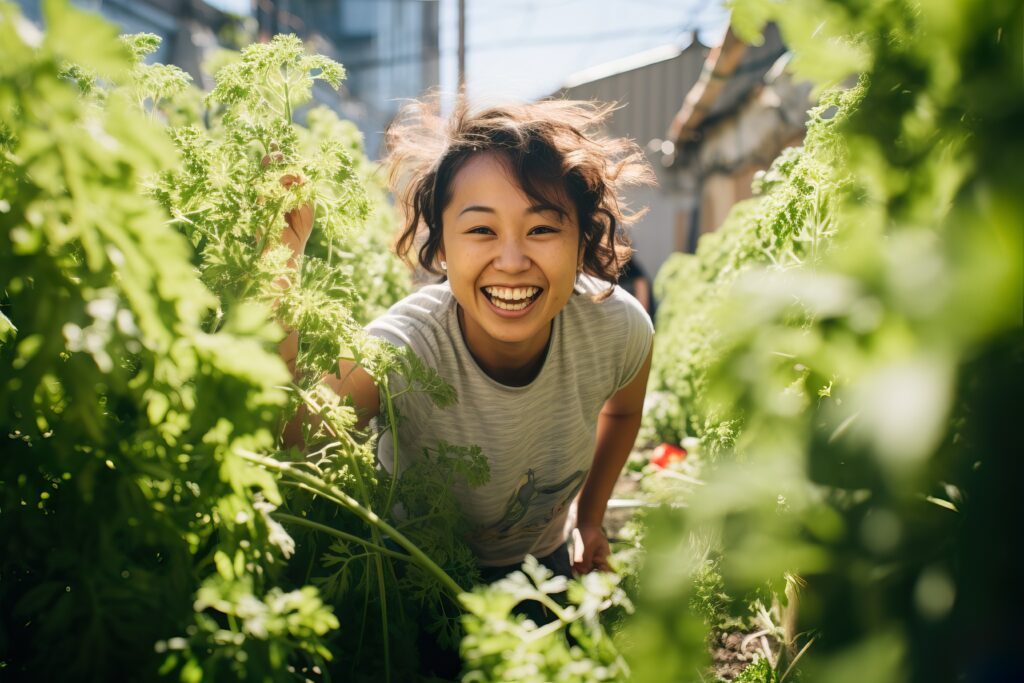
511,263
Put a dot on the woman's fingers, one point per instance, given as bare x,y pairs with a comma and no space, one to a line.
580,553
300,221
276,157
290,179
590,550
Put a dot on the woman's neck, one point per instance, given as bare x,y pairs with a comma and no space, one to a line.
512,364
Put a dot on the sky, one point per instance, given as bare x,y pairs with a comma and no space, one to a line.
525,49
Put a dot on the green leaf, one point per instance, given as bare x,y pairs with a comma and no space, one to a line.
7,329
84,38
748,17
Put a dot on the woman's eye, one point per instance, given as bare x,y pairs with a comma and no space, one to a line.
543,230
481,230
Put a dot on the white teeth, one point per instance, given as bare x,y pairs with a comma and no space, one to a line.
510,307
512,294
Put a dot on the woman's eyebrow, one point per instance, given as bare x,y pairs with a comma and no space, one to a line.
477,207
548,208
536,208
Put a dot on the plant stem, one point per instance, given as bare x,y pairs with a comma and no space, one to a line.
390,407
302,521
335,494
384,619
546,600
796,659
337,433
287,98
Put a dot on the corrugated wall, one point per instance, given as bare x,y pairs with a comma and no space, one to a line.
651,96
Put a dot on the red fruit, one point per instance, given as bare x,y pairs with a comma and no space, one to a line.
666,453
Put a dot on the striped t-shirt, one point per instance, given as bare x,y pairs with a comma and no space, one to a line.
538,439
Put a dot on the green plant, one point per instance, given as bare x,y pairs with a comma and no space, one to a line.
143,485
844,347
122,486
504,644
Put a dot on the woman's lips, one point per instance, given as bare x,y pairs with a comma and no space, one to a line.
511,308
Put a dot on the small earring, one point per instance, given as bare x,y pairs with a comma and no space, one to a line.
444,265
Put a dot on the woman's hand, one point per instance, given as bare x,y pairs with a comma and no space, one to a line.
300,220
590,550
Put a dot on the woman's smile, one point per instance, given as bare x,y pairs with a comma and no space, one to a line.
512,302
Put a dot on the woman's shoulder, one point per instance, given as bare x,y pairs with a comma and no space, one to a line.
417,319
618,324
429,299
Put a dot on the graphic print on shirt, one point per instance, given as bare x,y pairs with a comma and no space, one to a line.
532,506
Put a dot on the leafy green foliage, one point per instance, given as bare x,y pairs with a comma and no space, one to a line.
258,634
760,671
139,400
845,346
123,413
277,77
784,226
502,644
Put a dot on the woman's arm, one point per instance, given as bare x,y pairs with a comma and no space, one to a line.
350,379
617,427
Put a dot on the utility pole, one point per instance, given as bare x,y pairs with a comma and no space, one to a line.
462,48
266,19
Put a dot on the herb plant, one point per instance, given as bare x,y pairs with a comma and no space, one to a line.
845,347
154,516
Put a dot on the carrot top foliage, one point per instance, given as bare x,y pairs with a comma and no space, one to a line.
846,347
153,515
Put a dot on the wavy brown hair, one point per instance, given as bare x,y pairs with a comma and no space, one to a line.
555,149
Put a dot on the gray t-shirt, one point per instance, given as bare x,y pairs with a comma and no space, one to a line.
538,439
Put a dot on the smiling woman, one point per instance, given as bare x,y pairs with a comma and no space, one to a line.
518,207
511,263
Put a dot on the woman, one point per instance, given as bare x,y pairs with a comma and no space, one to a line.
517,208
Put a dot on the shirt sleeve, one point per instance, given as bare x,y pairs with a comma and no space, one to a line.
413,322
638,337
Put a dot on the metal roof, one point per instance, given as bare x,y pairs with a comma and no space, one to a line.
756,61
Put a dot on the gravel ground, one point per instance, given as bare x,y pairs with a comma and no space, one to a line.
733,651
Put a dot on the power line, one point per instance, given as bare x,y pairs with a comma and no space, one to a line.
414,58
543,40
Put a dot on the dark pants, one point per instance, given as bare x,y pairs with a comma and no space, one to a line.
558,562
445,663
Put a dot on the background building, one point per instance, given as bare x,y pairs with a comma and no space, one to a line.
388,47
649,86
190,29
709,119
742,112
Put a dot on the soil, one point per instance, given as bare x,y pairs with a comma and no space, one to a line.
730,658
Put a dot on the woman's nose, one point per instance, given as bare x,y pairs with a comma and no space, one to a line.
511,257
